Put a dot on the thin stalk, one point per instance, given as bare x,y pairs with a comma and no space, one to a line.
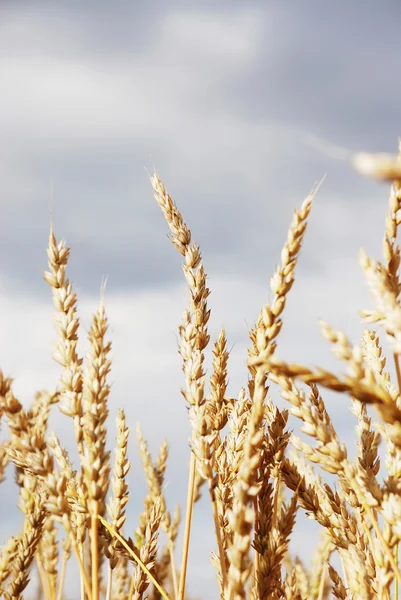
188,522
109,582
82,583
62,576
322,582
43,578
173,571
95,552
135,557
220,545
84,576
398,371
52,589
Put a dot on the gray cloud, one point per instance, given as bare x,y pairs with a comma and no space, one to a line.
219,103
329,68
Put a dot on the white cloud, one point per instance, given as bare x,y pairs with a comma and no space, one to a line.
232,39
62,96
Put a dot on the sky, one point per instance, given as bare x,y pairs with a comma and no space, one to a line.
223,98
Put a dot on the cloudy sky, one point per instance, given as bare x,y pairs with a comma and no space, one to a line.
223,98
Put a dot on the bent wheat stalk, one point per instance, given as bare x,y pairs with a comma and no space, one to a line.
135,557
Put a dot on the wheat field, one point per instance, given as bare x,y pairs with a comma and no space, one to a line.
260,476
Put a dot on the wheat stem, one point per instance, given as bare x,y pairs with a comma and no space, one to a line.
62,575
109,582
135,557
95,553
80,562
173,571
188,522
43,578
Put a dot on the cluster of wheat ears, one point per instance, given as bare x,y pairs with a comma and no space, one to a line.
238,450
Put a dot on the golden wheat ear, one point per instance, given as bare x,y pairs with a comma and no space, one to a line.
384,167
